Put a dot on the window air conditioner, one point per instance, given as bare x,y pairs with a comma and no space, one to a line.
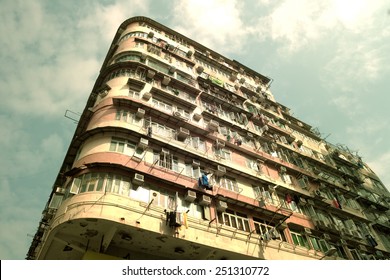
205,200
190,196
343,242
140,113
166,80
362,247
147,96
143,143
310,202
60,190
302,201
103,93
138,179
151,74
195,163
221,206
326,236
221,170
213,125
199,69
197,116
183,133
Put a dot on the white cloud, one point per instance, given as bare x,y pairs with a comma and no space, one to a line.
217,24
380,165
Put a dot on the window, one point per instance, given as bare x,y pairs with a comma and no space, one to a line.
228,183
121,145
193,171
234,219
197,143
299,239
164,199
222,153
303,182
266,230
162,105
253,164
319,244
166,161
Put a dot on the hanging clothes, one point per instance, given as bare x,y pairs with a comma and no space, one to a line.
204,182
336,203
288,198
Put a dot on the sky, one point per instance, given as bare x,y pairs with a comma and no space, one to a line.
329,61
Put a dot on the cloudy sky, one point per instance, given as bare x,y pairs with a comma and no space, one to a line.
329,59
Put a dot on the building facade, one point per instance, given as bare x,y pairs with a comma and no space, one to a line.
182,153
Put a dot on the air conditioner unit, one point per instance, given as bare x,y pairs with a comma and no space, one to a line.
195,163
379,253
183,133
151,74
177,114
326,236
166,80
221,206
219,144
103,93
190,196
221,170
197,116
205,200
346,231
164,151
60,190
147,95
343,242
333,227
143,143
302,201
199,69
362,247
138,179
213,125
140,113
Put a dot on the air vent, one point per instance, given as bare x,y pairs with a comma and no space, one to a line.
205,200
138,179
140,113
190,196
221,206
